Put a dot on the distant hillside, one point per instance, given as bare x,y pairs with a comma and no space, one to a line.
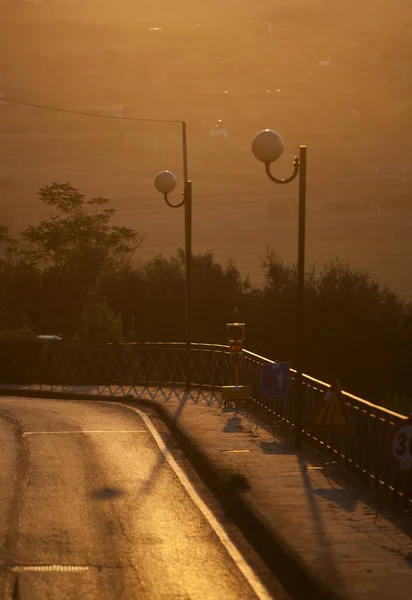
364,13
334,75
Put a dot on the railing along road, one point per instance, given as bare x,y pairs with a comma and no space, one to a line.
362,449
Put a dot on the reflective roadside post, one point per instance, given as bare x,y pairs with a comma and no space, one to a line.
267,146
165,183
235,333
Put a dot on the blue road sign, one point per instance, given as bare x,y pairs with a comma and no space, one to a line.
275,380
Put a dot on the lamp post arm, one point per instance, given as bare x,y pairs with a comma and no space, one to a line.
171,203
296,165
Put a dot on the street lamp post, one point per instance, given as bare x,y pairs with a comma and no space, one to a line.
165,183
267,146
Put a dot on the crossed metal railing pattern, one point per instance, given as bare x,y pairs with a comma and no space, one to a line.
363,449
149,364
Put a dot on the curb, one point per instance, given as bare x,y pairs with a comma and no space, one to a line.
287,566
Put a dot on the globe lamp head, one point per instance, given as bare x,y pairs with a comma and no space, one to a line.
267,146
165,182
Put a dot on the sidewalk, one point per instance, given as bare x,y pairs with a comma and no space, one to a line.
336,524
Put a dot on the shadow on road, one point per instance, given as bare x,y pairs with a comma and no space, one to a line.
151,481
340,497
196,395
324,549
233,425
106,493
275,448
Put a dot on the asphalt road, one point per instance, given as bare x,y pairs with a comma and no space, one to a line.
93,506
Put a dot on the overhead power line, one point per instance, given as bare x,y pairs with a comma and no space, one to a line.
84,113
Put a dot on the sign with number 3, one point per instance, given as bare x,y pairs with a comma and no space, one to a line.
400,445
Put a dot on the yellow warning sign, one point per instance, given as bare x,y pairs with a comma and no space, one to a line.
333,415
239,392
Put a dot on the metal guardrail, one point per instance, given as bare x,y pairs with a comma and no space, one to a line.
362,449
149,363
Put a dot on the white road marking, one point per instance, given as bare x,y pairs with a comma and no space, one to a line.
50,568
247,572
82,431
236,451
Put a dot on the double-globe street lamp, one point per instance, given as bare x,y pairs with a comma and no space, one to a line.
267,146
165,183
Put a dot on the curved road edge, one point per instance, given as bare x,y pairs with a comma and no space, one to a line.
299,581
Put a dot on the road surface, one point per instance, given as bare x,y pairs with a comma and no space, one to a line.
93,506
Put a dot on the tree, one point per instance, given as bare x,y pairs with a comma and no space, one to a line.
218,297
354,328
357,329
274,313
161,302
19,283
99,324
80,236
73,249
152,298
